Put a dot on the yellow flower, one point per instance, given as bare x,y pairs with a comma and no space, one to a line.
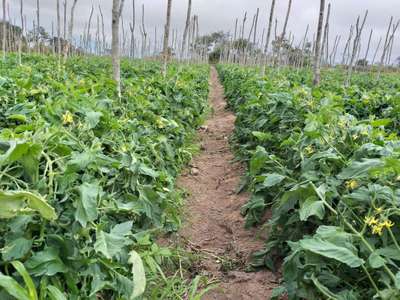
68,118
377,229
379,210
342,124
309,150
371,221
388,224
352,184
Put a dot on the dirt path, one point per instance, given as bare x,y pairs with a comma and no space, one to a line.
214,226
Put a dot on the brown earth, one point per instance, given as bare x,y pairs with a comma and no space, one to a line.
214,225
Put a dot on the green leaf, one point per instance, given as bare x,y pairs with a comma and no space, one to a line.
312,207
27,279
122,229
397,281
139,275
323,289
30,161
330,250
86,210
99,282
55,293
335,235
381,122
376,261
17,117
278,292
258,159
46,262
13,203
16,249
108,244
144,170
93,118
12,287
390,252
123,285
15,150
82,160
272,179
360,169
262,136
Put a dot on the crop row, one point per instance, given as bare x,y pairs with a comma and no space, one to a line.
85,177
326,161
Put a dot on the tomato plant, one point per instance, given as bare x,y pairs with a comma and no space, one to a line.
87,179
326,162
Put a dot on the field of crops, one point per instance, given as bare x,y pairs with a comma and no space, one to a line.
103,169
326,161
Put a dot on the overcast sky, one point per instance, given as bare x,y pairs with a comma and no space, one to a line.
217,15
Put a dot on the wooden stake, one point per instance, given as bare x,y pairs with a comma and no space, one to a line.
166,38
317,56
116,60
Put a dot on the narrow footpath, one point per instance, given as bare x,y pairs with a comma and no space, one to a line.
214,226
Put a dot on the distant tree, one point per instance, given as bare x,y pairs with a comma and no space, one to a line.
362,63
212,40
12,35
215,55
291,55
41,38
242,44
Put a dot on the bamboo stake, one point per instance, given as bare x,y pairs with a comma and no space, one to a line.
368,46
22,32
359,30
325,39
65,21
243,25
103,32
58,32
144,41
347,46
38,25
88,37
255,26
70,29
185,32
376,51
385,44
132,28
271,17
286,21
123,35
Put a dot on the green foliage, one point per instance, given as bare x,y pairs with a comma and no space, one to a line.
87,180
326,162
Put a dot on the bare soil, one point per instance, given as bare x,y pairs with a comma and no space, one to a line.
214,225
